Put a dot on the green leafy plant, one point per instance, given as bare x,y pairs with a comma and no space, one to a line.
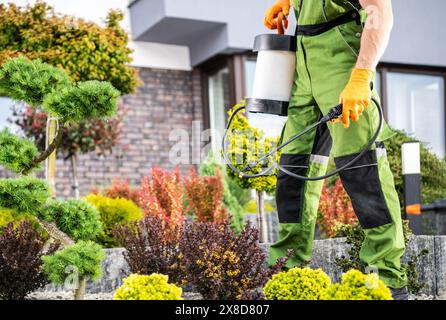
113,213
9,216
84,49
83,101
83,258
16,154
433,169
297,284
25,194
77,218
148,287
31,81
21,251
412,273
358,286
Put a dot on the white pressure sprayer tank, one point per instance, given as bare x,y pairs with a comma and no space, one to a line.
273,82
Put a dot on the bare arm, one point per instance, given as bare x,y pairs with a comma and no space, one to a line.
376,32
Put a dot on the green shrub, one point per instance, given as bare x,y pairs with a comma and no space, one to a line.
113,213
143,287
84,258
24,195
77,218
84,49
84,101
16,154
297,284
358,286
433,169
30,81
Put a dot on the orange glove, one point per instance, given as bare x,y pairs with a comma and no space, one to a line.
356,95
275,13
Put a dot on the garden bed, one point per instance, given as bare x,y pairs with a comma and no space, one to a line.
432,268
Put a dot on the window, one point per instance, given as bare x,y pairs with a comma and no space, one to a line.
219,100
416,104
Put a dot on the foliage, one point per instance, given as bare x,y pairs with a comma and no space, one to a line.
163,196
95,135
83,101
30,81
113,213
358,286
120,188
8,216
21,251
152,247
24,195
84,258
297,284
205,196
412,273
433,169
77,218
251,206
223,265
152,287
85,50
233,195
334,207
16,154
355,237
245,145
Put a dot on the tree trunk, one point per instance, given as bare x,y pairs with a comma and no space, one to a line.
50,162
75,182
261,219
55,233
79,293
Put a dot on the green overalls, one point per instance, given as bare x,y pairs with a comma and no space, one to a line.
325,59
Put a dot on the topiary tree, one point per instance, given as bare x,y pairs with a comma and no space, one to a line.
86,51
245,145
83,260
48,88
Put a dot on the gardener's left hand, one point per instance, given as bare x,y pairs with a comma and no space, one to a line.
356,95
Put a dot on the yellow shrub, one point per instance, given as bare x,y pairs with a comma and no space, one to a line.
358,286
297,284
114,213
153,287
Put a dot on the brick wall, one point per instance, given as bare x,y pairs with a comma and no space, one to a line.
166,100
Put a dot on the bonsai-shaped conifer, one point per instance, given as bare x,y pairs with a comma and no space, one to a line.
48,88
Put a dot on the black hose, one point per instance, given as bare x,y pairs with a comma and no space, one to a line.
334,113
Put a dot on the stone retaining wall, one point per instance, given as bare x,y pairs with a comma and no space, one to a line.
432,267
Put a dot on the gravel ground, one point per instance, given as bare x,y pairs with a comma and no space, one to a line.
91,296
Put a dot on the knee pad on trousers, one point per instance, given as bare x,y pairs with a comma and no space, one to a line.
289,190
362,183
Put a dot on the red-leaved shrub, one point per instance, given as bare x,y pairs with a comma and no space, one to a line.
120,188
205,196
162,196
21,265
335,207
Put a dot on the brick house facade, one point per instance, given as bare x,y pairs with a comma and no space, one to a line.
167,100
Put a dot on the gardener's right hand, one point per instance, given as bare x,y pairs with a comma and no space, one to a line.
282,8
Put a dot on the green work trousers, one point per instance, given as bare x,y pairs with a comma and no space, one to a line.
323,67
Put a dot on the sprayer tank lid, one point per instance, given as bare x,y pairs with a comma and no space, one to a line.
276,42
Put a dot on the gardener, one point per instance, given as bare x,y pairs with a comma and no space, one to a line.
339,47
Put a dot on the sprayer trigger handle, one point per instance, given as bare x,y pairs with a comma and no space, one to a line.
334,113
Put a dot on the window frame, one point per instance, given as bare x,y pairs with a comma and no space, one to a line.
385,68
